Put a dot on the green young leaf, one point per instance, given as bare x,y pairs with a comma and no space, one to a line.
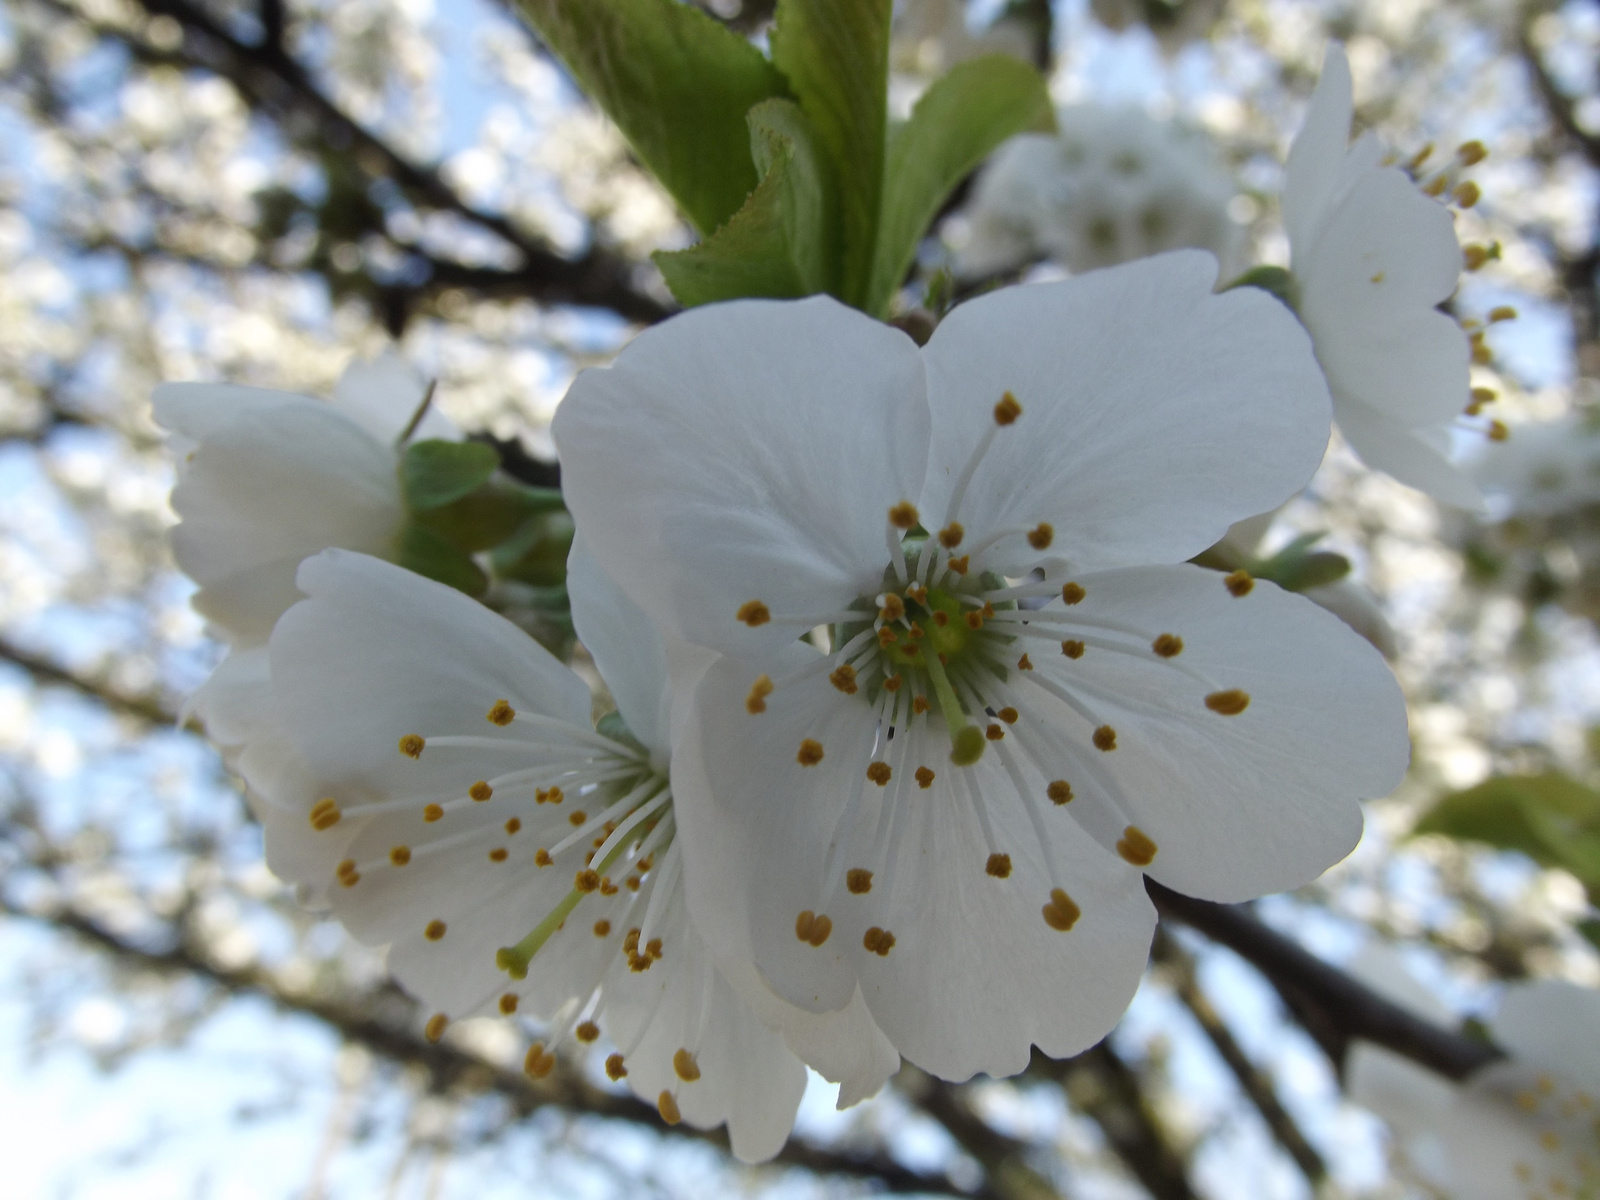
677,83
433,555
1297,568
954,127
436,472
1551,818
784,242
835,55
493,514
538,554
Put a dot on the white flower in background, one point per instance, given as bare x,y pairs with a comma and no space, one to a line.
1113,185
1549,468
931,36
446,793
950,807
1527,1128
1372,257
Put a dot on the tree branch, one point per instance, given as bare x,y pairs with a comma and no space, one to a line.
1333,1007
145,707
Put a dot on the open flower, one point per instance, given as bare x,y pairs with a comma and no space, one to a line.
1519,1129
1372,257
447,794
1027,698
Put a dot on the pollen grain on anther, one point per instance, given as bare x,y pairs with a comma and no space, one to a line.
960,565
1062,913
891,607
684,1065
508,1003
1229,703
1239,583
1105,738
753,613
1072,648
999,865
434,930
950,536
1008,715
615,1067
411,745
577,816
499,854
1042,535
878,941
974,620
1168,645
1136,847
812,928
513,824
994,732
1007,410
925,778
480,791
325,814
843,677
667,1106
893,683
879,773
920,704
502,714
1024,663
904,515
432,813
400,855
346,873
858,880
810,753
586,880
756,701
1072,593
541,857
538,1062
434,1029
586,1032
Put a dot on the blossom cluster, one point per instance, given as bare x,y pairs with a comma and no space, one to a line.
910,682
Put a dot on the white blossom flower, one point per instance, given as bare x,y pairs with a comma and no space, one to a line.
1372,257
439,783
1113,185
1548,468
931,36
1522,1129
950,808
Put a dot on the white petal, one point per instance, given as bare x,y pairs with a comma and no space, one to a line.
748,1078
1318,150
745,451
1552,1026
272,481
627,650
1237,806
1154,413
382,394
1413,1100
1418,458
1516,1134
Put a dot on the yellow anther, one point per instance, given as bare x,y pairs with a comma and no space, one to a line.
1467,193
1498,431
844,678
434,1029
1475,256
541,857
879,773
1421,156
903,515
1550,1141
653,947
554,796
1105,738
887,637
586,880
1135,846
630,941
810,753
1436,186
994,732
1239,583
811,928
325,814
578,817
1059,791
1168,645
920,704
891,608
1528,1102
1379,277
1472,153
1061,914
400,855
432,813
434,931
988,610
858,880
615,1068
1229,703
960,565
1008,715
974,619
668,1108
411,745
753,613
1482,355
950,536
502,714
499,854
1483,395
1007,411
756,701
916,630
538,1062
508,1003
1042,535
586,1032
632,882
878,941
1072,648
925,778
602,927
513,824
893,683
684,1065
917,593
999,865
1024,663
1502,312
350,879
607,888
1072,593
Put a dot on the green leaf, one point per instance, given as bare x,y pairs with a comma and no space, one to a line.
435,472
1551,818
431,554
677,83
954,127
1297,568
538,554
784,242
835,55
491,515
